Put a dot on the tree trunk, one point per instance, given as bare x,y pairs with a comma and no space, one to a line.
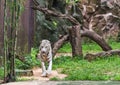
86,33
90,57
75,40
98,39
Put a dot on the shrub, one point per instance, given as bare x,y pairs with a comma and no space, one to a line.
30,60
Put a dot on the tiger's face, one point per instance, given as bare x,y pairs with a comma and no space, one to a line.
44,48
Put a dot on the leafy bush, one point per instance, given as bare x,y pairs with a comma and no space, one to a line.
30,60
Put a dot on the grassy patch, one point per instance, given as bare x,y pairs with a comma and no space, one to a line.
89,47
55,79
66,48
80,69
114,45
1,72
100,69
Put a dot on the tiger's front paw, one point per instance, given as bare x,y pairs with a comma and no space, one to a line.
48,72
44,74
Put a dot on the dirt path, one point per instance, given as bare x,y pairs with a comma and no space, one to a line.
37,75
36,79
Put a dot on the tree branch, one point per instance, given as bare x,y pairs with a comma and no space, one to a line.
59,43
56,14
35,2
98,39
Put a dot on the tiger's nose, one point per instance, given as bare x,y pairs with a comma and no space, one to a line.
43,51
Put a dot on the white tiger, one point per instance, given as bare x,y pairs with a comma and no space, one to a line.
45,55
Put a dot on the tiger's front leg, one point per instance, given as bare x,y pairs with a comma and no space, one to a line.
43,69
49,68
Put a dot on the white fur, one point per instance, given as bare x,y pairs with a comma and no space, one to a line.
45,55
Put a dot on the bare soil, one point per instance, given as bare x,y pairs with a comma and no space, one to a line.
37,75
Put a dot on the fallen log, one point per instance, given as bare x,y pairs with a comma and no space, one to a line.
103,54
24,72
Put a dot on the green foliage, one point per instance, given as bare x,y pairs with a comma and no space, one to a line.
55,23
51,26
25,65
30,60
69,1
47,29
34,52
1,72
54,79
100,69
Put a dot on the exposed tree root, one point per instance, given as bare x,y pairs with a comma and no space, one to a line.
90,57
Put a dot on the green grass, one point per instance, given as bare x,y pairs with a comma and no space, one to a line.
1,72
115,45
100,69
55,79
80,69
65,48
89,47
